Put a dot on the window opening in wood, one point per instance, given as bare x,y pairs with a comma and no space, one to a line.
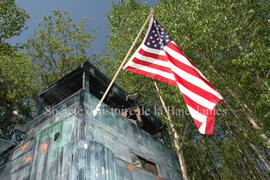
56,136
144,163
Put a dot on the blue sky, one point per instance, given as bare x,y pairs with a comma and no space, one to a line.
94,10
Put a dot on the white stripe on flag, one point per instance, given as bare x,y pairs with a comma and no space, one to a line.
153,61
195,97
196,115
189,63
203,127
151,50
178,56
152,70
193,80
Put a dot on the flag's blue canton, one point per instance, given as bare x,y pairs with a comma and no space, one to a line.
157,37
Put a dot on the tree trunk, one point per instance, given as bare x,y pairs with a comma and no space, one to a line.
262,159
248,112
175,137
253,147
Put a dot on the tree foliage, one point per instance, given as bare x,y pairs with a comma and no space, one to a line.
15,71
12,21
17,83
229,42
58,46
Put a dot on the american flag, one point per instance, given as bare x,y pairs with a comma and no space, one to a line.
160,58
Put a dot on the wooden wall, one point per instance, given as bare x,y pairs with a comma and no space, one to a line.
75,145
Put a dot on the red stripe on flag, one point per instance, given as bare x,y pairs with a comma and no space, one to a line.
197,90
205,111
152,75
197,123
210,124
201,109
184,67
176,48
152,65
152,55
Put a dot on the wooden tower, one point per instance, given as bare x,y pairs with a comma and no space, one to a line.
66,142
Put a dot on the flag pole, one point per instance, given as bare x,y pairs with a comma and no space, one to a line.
122,64
175,137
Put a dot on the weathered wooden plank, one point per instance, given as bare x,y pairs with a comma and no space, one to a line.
119,134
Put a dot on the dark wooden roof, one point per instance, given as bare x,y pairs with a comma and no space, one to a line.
98,82
5,145
72,82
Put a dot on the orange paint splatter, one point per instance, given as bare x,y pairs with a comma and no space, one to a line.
159,176
24,147
62,174
43,147
29,159
131,167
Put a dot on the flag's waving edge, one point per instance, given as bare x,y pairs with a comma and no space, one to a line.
160,58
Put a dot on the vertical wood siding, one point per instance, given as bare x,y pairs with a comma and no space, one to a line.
88,148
